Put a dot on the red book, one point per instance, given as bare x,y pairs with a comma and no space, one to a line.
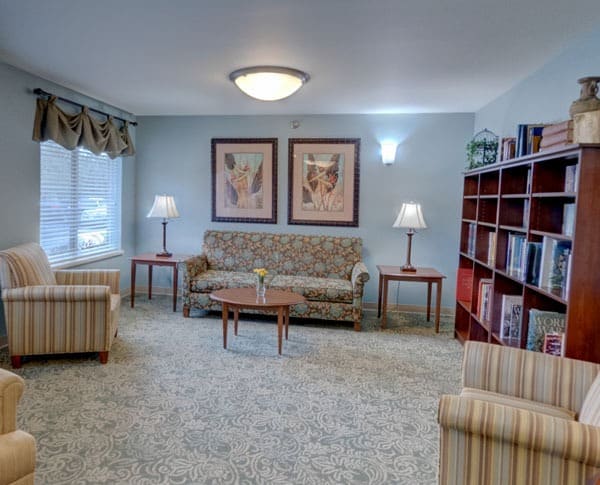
464,284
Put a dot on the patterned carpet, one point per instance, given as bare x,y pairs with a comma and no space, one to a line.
173,407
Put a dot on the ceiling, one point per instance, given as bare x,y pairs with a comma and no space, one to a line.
160,57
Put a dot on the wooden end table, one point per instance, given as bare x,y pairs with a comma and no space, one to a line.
154,260
422,275
274,300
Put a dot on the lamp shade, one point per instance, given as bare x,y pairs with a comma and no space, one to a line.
410,216
269,83
164,206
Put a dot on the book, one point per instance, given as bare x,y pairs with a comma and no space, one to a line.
534,138
568,219
540,323
484,299
521,140
532,264
560,137
491,259
507,148
557,127
554,344
528,182
526,213
510,324
570,178
464,284
558,273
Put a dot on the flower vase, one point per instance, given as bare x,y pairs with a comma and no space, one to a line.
260,287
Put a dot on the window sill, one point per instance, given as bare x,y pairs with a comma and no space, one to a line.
90,259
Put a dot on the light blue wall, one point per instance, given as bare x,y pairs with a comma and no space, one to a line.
174,158
546,95
20,168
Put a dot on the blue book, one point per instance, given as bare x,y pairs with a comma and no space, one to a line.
521,148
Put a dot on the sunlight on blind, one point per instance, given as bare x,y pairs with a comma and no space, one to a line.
80,203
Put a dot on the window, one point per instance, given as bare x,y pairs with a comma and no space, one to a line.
80,204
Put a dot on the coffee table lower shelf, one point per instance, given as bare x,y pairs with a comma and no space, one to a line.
236,299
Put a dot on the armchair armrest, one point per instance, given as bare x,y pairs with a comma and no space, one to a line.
11,390
569,440
17,458
55,293
360,275
103,277
529,375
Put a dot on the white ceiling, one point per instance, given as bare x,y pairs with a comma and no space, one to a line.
157,57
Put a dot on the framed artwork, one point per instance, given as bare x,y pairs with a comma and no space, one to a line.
323,181
244,180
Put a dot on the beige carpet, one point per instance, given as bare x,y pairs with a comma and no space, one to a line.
173,407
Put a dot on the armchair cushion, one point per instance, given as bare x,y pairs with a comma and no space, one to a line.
28,266
590,410
517,402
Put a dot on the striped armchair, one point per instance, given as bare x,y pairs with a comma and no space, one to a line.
54,312
522,418
17,448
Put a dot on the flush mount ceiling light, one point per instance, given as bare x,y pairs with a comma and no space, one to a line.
269,83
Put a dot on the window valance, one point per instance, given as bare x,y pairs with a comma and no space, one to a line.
80,130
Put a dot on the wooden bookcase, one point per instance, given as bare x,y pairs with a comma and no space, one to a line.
526,196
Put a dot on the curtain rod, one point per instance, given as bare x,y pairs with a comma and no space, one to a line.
41,92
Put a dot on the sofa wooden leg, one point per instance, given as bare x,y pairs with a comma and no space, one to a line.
186,311
357,326
103,357
15,361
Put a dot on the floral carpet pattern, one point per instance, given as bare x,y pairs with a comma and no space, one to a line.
173,407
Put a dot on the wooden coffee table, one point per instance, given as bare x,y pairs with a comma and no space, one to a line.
274,300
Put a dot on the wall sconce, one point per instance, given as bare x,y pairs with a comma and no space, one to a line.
388,152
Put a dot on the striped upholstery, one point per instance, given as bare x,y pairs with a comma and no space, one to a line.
79,314
528,375
507,441
590,411
517,402
17,448
28,265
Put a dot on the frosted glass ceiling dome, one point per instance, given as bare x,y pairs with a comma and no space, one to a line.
269,83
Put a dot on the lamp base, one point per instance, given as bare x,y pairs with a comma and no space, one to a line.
164,254
408,268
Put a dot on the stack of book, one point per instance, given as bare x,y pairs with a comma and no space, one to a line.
516,256
556,136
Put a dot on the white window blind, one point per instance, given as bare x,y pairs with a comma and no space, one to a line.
80,203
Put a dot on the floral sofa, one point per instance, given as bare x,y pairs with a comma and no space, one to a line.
326,270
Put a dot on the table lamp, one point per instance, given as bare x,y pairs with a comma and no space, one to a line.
411,218
164,206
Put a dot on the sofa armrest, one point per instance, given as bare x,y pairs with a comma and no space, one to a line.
53,293
103,277
195,265
569,440
17,458
529,375
360,275
11,390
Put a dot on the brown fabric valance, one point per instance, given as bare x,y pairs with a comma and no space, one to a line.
80,130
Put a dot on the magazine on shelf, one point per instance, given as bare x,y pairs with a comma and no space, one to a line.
554,264
540,323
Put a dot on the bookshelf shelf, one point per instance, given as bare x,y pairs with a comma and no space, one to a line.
529,245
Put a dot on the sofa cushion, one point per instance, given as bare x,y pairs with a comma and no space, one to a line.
590,410
519,403
213,280
315,289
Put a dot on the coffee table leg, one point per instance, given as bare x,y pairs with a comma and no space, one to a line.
236,313
279,328
287,320
225,316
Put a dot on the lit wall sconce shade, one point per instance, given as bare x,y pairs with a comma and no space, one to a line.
388,152
269,83
410,217
164,207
